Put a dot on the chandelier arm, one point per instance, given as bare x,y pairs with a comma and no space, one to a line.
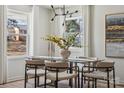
53,18
72,12
53,9
64,20
63,9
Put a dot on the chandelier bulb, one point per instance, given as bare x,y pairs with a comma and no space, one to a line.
52,19
70,15
63,24
67,12
52,6
76,11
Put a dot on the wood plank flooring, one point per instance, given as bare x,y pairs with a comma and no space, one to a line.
30,84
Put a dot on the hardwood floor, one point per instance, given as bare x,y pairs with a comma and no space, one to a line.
30,84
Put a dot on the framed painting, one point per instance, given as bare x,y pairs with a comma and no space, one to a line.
114,36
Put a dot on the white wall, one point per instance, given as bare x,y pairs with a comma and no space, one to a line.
15,69
41,29
25,8
1,44
98,35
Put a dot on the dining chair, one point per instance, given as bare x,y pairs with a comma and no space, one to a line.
102,71
86,68
34,68
58,71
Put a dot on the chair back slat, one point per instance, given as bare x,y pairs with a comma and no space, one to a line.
104,65
34,62
54,66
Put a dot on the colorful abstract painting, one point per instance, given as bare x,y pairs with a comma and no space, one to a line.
114,40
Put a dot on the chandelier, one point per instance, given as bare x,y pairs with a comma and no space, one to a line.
65,13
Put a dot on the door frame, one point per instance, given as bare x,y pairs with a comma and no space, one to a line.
3,73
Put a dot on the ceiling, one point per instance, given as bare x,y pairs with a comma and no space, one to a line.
55,6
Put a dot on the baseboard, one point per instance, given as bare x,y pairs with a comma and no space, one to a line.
15,78
121,83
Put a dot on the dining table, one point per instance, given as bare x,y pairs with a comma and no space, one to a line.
70,59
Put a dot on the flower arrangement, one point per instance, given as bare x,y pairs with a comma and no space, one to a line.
63,43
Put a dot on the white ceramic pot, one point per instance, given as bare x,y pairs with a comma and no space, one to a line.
65,53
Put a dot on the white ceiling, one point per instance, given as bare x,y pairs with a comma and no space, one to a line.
55,6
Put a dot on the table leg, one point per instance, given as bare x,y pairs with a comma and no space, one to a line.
76,78
88,77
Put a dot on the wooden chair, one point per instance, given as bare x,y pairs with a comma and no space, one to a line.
57,71
34,68
86,68
102,72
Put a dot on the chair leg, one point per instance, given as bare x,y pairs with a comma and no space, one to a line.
108,77
108,83
26,78
114,82
95,82
25,81
92,82
38,81
88,82
75,82
71,80
56,84
45,78
35,80
82,81
45,83
113,77
78,82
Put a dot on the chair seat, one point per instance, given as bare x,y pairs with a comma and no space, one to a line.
98,75
61,75
40,72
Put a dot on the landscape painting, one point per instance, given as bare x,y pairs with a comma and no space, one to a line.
114,40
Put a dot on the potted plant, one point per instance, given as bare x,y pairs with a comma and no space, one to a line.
63,43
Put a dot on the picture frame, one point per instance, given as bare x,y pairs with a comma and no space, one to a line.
114,35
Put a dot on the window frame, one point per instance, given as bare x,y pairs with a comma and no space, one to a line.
83,31
21,13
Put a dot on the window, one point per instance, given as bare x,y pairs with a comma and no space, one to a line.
17,34
74,25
